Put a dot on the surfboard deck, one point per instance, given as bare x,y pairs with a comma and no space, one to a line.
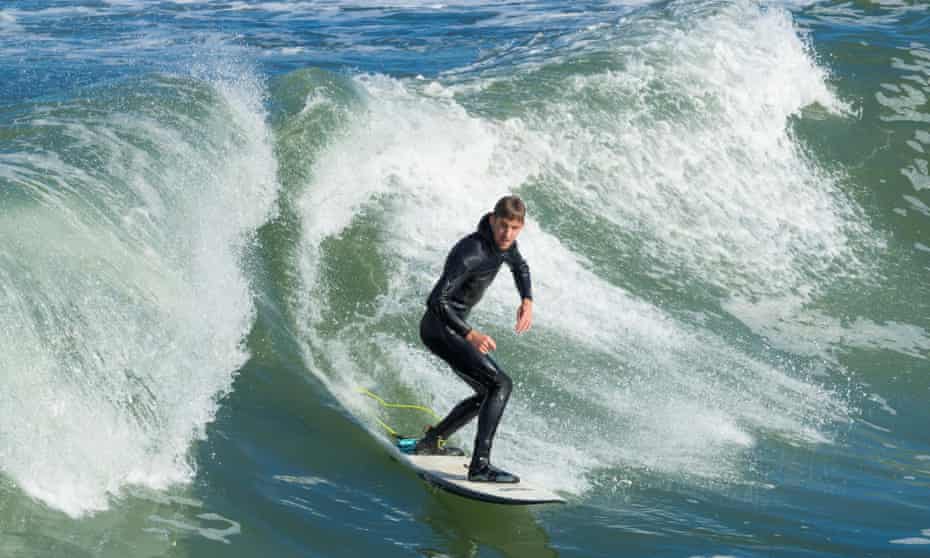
450,473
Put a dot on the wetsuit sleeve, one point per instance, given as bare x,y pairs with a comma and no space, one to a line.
454,274
521,273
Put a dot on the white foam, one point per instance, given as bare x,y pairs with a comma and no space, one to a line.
9,23
787,324
121,333
905,102
883,403
874,426
918,175
218,534
686,147
851,15
695,158
634,386
304,481
917,205
911,541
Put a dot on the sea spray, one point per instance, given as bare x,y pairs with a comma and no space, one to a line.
125,301
605,379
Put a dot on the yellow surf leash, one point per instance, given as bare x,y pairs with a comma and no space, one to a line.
387,405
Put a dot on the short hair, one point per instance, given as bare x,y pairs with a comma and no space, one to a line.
510,207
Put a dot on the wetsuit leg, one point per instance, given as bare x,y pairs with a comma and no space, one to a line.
491,384
459,416
492,409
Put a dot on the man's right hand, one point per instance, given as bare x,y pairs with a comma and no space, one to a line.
480,341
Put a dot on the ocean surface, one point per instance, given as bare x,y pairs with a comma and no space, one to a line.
219,221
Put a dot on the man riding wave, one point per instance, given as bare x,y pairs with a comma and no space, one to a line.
469,269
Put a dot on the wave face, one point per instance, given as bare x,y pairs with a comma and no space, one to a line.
219,223
127,215
668,165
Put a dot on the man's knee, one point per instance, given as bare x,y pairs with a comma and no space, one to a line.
504,383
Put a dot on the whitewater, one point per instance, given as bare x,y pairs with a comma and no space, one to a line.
220,222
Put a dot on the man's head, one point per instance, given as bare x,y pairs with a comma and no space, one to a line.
507,220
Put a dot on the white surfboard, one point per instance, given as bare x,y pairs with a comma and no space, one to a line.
451,473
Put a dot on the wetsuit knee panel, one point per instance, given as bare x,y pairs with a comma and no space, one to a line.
505,384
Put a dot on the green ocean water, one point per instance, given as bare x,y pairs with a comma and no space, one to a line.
210,248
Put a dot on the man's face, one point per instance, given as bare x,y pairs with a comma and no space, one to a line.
505,231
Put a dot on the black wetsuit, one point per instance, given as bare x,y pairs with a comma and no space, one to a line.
470,267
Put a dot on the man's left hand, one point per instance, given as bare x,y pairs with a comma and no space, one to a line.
524,316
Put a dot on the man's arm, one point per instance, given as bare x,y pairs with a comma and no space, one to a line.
521,273
453,276
521,276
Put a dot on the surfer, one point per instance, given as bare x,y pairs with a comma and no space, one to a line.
470,267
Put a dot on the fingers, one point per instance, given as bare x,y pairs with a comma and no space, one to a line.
524,319
523,322
484,343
